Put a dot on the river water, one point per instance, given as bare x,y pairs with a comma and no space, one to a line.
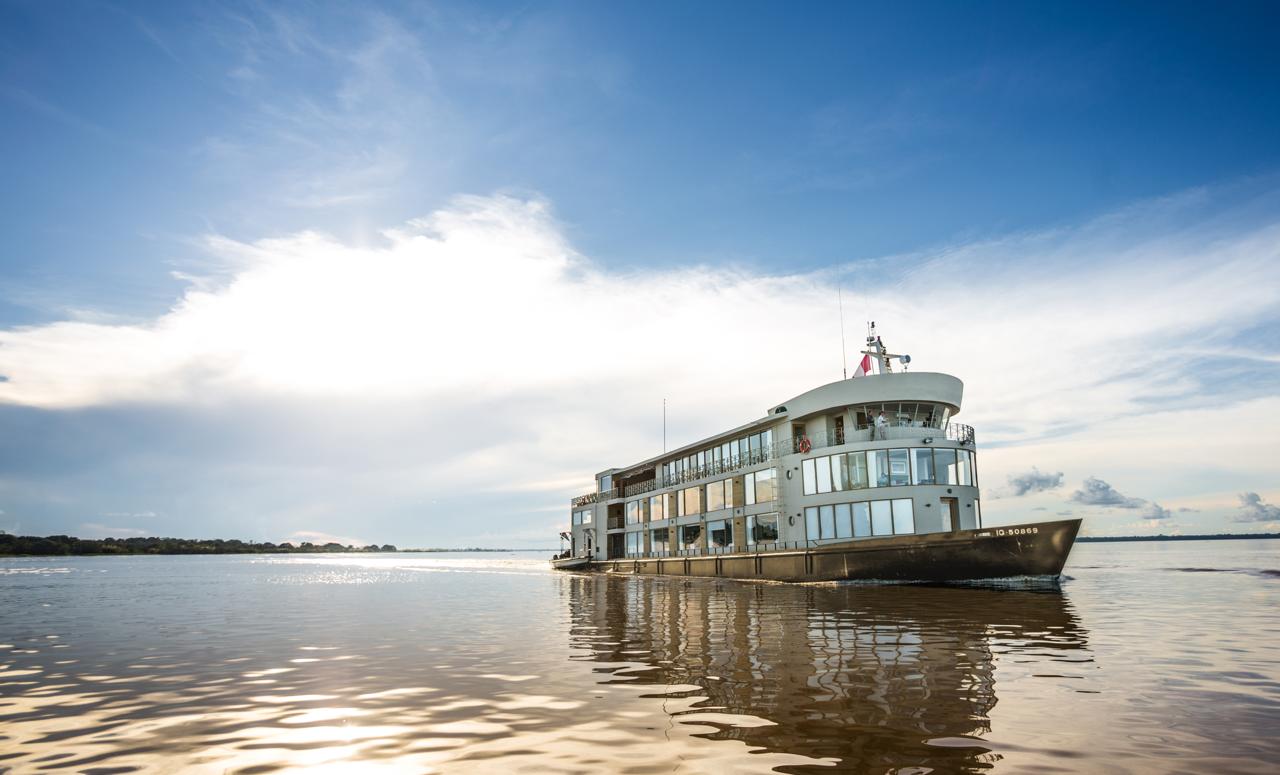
1151,658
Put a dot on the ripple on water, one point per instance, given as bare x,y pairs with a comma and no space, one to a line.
255,666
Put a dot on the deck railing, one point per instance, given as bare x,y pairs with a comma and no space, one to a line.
893,431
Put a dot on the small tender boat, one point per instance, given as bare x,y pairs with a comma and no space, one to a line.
868,478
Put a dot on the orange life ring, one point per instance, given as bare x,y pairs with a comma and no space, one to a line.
805,446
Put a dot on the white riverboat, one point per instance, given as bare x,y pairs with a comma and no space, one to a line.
868,478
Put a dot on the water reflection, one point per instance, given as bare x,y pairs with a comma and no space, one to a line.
864,679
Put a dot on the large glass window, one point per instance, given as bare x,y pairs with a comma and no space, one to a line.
964,463
765,485
878,465
827,519
810,477
811,530
658,507
690,536
899,467
839,473
762,529
823,465
844,522
861,519
715,496
857,462
692,498
635,544
904,520
720,533
633,512
881,518
922,466
945,460
606,483
660,540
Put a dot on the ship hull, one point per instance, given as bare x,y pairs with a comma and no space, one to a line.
1029,551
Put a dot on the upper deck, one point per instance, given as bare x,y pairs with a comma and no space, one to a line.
916,405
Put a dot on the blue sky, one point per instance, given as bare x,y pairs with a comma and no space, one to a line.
208,206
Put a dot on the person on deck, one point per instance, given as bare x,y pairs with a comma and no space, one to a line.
881,425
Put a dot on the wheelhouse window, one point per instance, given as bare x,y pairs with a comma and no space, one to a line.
720,533
606,483
762,529
922,466
945,460
899,467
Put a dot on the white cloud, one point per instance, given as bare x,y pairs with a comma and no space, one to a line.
476,348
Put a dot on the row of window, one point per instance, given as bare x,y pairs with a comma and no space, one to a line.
582,517
757,446
888,468
859,520
755,487
761,529
904,414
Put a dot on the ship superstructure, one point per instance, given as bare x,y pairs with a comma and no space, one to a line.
868,477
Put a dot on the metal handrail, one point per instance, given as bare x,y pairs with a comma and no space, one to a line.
893,431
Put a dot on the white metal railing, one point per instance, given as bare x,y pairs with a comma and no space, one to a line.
892,431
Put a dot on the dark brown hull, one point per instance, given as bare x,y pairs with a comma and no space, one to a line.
1037,550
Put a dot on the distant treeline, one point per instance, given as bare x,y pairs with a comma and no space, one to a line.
1163,537
11,545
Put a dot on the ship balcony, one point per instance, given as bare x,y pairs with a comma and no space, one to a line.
863,434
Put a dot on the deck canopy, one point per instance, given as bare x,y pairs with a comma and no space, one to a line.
921,387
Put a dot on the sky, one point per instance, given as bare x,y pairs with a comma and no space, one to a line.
412,273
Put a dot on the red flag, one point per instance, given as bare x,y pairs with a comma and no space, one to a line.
863,369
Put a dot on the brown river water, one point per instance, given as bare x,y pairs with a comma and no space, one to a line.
1150,658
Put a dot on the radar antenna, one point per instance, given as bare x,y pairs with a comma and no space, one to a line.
876,349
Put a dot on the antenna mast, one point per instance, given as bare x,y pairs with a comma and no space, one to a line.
844,358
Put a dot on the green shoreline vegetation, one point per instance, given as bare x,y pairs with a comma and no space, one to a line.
64,546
